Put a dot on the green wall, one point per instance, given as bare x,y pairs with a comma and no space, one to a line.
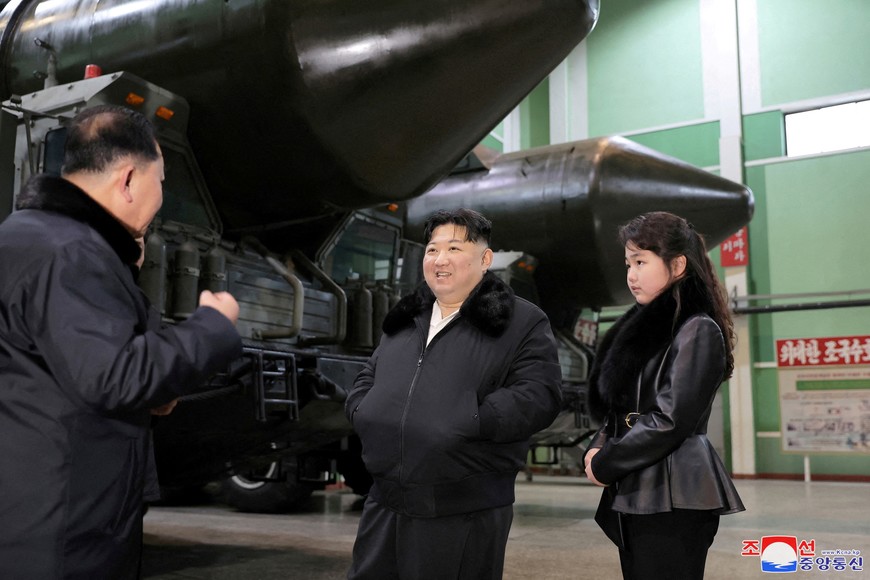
816,232
695,144
495,139
810,49
809,227
644,65
645,79
763,135
535,117
810,224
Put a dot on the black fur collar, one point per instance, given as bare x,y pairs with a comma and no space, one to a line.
641,334
50,193
489,307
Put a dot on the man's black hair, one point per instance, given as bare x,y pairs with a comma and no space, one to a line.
99,136
477,227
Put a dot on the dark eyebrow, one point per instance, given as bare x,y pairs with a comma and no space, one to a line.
453,241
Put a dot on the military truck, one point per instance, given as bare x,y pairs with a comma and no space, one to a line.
302,142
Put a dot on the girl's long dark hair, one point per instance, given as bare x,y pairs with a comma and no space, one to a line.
668,236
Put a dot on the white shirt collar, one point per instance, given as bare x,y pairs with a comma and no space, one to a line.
436,322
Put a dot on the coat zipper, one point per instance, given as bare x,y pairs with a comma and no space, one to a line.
405,416
411,391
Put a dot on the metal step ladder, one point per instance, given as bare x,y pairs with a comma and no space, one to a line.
275,387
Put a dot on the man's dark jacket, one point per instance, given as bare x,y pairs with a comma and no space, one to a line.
79,372
445,427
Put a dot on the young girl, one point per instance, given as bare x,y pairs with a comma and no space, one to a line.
652,387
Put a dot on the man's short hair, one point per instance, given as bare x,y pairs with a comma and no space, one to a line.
477,227
99,136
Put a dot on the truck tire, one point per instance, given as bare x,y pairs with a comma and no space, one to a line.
268,497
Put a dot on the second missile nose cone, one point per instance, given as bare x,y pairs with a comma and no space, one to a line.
633,179
564,203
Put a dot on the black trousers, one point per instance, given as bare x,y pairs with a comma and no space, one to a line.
667,546
391,546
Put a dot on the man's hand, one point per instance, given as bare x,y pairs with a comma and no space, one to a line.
223,302
589,455
163,410
141,242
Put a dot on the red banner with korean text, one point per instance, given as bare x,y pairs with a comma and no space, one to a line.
735,250
833,350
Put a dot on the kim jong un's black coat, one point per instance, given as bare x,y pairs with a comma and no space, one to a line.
445,426
79,372
662,365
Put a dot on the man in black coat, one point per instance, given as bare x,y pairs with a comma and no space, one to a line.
80,370
465,373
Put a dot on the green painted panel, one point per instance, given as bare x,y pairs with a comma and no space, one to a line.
493,143
715,254
765,399
763,136
770,459
695,144
840,464
725,393
495,139
644,66
810,49
817,227
760,325
535,117
832,385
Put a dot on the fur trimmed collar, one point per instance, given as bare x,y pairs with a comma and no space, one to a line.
489,307
55,194
638,336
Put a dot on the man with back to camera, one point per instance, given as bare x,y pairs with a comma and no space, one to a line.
79,368
465,373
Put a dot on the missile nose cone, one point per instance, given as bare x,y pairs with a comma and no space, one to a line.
428,83
563,204
634,179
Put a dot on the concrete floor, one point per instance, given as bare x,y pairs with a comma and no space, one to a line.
553,535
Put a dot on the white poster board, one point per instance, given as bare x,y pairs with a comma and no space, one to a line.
822,420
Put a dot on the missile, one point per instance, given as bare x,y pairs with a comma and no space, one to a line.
303,108
563,204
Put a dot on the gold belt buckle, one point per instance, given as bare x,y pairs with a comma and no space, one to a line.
631,419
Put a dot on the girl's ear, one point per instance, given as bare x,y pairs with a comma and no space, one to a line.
678,267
